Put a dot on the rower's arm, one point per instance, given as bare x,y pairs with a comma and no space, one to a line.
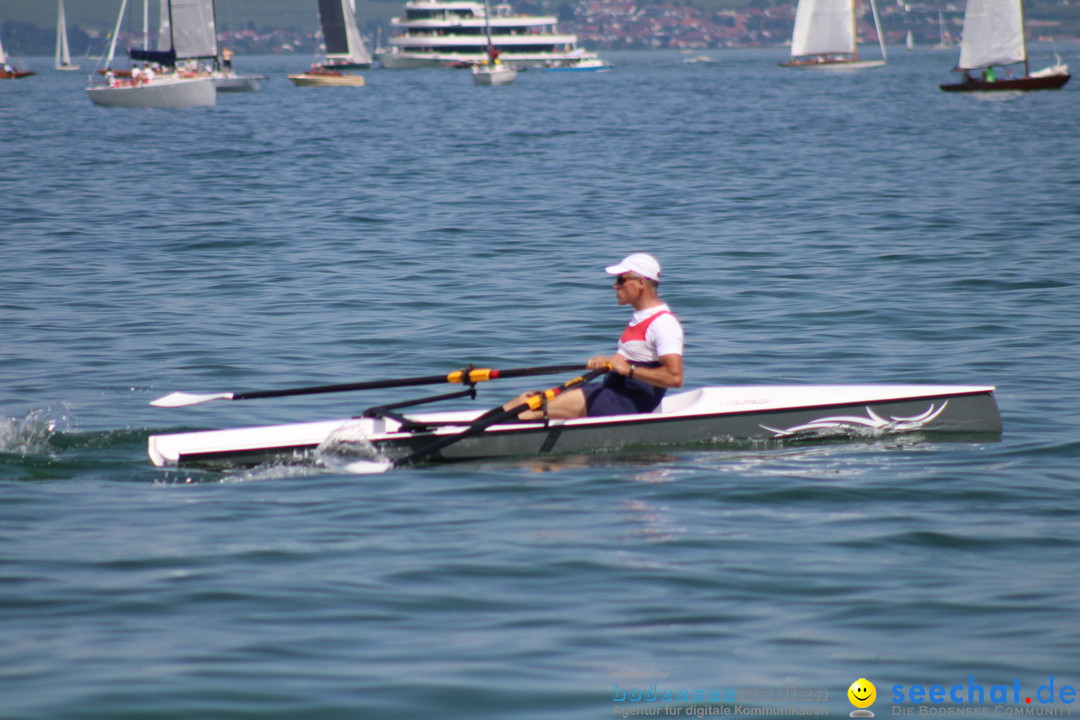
668,375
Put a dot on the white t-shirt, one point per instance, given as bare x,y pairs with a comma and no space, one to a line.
651,334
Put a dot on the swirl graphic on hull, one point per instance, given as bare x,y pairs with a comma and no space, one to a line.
872,424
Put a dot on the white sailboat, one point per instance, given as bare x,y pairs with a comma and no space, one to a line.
494,71
946,38
910,42
345,48
63,53
994,39
824,36
161,90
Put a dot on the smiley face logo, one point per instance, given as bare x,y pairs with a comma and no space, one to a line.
862,694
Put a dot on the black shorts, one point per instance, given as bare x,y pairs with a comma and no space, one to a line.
620,395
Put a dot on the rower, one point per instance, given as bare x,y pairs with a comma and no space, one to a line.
647,362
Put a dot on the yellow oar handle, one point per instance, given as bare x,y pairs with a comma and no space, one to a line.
471,376
536,401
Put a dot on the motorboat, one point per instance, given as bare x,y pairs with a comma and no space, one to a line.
698,418
228,81
9,71
580,64
320,76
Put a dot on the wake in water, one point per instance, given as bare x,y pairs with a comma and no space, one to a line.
30,435
347,449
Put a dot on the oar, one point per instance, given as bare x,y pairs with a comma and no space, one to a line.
498,415
468,376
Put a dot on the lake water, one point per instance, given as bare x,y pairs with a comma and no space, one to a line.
814,228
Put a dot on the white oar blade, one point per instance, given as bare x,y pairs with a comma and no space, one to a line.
367,467
181,399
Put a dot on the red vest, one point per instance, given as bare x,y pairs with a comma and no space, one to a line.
637,332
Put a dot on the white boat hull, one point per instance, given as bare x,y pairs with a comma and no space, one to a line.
588,64
836,65
166,92
494,76
237,83
711,415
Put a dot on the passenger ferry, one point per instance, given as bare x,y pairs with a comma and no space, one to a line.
451,33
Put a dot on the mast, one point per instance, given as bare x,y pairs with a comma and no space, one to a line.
854,31
1023,39
116,32
877,26
487,31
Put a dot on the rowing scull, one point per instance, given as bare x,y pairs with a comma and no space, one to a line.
701,416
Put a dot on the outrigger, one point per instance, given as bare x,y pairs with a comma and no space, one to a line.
708,415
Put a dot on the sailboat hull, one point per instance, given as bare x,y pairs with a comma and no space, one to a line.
494,76
834,64
226,82
167,93
332,65
1047,82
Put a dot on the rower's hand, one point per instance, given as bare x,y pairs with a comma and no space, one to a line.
616,363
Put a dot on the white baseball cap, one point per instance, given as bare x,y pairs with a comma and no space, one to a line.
642,264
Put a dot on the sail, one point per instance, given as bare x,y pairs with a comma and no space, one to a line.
194,34
63,52
993,34
3,55
164,38
342,37
824,27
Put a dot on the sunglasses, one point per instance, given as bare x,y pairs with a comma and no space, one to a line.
623,278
